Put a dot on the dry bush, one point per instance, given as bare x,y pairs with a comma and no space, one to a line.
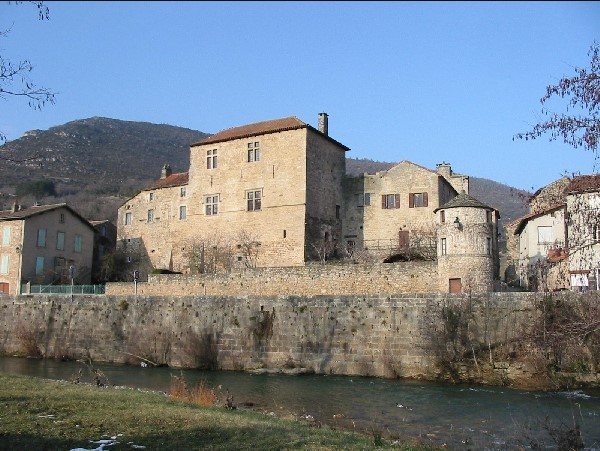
200,394
28,340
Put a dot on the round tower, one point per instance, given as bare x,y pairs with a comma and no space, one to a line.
467,245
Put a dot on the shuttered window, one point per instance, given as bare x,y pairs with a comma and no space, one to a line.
390,201
417,200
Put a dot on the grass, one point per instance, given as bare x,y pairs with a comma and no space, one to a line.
39,414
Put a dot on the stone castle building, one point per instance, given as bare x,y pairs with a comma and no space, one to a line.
275,194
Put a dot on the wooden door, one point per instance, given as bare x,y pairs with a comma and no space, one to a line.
403,239
4,288
455,286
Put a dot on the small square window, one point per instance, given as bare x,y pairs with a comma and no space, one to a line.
182,191
151,196
150,215
62,218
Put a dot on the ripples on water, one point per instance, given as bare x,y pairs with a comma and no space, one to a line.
458,415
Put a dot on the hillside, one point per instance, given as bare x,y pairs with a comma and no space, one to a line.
97,163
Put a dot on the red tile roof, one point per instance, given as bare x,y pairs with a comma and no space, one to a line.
178,179
584,183
262,128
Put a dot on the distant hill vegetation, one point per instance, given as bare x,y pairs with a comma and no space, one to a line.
95,164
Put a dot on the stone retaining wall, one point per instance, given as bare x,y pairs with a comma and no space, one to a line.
309,280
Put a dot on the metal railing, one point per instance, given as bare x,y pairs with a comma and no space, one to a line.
66,290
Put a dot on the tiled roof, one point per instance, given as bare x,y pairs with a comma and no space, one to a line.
258,128
464,200
178,179
584,183
9,215
262,128
525,219
27,212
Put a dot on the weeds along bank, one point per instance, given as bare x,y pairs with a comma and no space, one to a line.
521,339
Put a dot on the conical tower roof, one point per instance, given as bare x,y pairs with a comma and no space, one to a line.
464,200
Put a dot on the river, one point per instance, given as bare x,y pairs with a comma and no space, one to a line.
436,413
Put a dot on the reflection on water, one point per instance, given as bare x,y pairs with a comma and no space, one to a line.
482,417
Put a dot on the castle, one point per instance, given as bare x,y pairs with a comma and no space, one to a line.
276,194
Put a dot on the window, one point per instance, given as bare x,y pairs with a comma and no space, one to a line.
488,216
544,234
390,201
103,230
150,215
128,218
60,241
6,236
363,199
182,212
211,204
253,152
78,242
444,247
254,200
4,264
488,246
41,238
151,196
39,266
337,212
285,233
182,192
595,230
62,218
417,200
211,159
442,216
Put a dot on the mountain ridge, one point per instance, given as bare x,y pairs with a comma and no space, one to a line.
97,163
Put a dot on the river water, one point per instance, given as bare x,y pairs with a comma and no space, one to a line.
460,416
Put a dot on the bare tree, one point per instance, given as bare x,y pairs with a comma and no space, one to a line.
248,247
14,80
210,255
582,90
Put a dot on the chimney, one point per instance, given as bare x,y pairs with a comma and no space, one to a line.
15,207
444,169
324,123
166,171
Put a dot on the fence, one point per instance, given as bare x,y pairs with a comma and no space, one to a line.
62,289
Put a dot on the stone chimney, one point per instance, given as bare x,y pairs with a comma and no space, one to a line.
166,171
444,169
324,123
15,207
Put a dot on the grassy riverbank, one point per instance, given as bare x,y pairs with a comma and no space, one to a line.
42,414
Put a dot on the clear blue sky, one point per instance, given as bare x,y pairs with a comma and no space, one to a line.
427,82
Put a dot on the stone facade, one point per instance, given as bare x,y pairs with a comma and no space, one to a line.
276,185
275,194
391,210
39,244
309,280
467,246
